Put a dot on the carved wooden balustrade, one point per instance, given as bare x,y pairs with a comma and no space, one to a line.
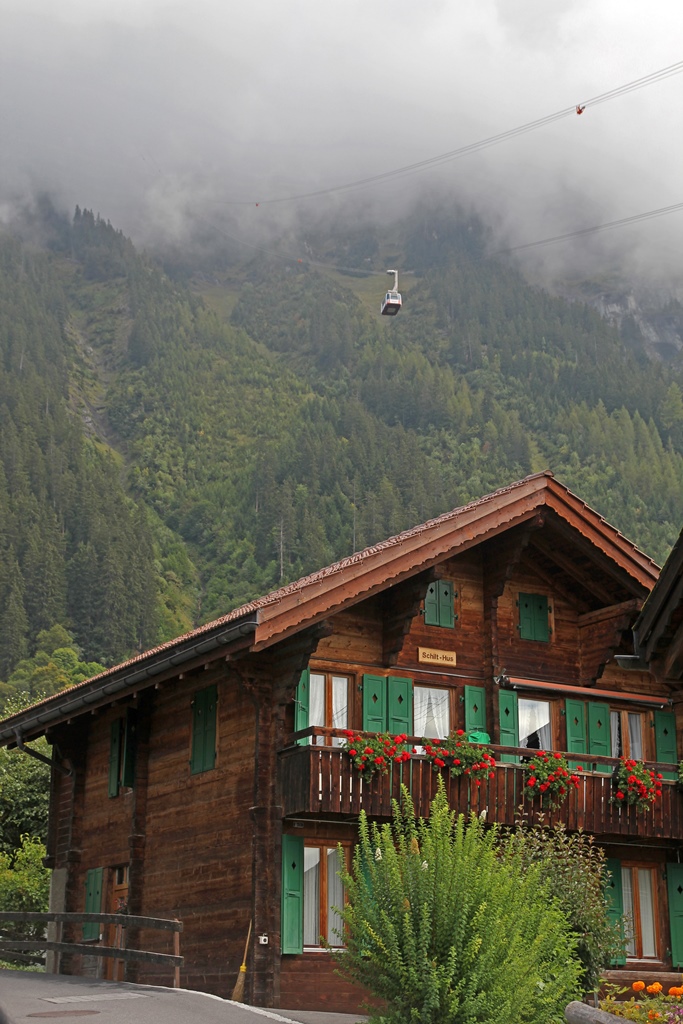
320,780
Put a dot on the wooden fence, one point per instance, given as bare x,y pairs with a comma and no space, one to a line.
20,949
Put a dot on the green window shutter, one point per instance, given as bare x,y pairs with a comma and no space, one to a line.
674,883
615,901
526,617
541,626
400,705
375,704
292,923
575,714
475,709
509,724
576,726
445,603
432,605
665,740
533,617
210,727
599,736
204,730
302,705
114,757
93,901
129,749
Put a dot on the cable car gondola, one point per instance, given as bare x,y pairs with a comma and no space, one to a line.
391,303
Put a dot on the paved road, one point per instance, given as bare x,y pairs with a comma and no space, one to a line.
27,997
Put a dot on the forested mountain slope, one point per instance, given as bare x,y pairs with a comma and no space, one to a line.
160,465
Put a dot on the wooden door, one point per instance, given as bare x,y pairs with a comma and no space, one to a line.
117,903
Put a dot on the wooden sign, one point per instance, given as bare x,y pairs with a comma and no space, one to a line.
430,656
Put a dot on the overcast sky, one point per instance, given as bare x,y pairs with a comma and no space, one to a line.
148,112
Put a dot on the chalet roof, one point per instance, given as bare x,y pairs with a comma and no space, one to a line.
658,629
298,605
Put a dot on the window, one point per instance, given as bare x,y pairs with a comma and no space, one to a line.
322,698
323,891
203,730
328,704
626,728
535,724
639,900
431,712
533,617
631,895
122,742
311,888
439,604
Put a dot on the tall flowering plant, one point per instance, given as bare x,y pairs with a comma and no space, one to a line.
461,757
373,755
635,785
549,779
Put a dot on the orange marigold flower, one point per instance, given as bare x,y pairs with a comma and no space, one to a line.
654,988
638,986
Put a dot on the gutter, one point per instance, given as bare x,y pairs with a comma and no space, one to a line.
41,717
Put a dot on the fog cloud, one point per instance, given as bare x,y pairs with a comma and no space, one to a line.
151,113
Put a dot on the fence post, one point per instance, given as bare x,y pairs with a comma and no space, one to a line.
176,952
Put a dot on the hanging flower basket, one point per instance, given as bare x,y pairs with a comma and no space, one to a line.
373,755
549,779
636,785
461,757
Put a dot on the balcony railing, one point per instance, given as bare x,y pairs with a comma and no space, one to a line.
320,779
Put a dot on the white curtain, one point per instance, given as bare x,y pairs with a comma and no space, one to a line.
615,733
316,703
311,896
534,724
431,712
340,706
335,897
647,912
635,735
627,894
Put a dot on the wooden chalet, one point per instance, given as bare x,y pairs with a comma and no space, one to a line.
205,779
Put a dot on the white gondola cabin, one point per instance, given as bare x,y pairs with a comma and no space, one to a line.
391,303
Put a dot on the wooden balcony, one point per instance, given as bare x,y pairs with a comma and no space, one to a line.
320,781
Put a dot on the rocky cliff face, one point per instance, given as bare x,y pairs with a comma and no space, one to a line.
649,319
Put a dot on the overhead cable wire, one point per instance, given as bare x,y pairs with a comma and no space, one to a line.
288,257
473,147
608,225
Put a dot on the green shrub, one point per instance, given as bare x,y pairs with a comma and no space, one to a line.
25,886
575,867
443,930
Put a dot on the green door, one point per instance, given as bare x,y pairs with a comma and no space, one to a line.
374,704
674,883
615,901
93,901
665,740
292,923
